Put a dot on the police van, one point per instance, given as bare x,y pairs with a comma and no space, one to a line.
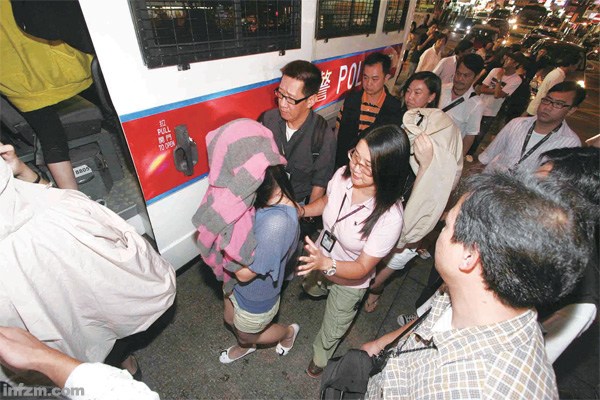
172,71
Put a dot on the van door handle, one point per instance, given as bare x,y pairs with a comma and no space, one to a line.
185,152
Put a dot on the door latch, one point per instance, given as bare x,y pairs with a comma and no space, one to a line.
185,152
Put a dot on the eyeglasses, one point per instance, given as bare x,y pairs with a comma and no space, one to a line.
289,100
555,104
355,159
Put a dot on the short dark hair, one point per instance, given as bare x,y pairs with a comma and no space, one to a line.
519,58
440,35
567,59
576,166
463,45
432,81
376,58
306,72
531,237
570,86
389,148
473,62
516,47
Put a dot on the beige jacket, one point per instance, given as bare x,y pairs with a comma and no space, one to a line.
430,195
75,274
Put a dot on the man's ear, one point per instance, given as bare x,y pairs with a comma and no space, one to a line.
571,111
388,77
470,260
311,100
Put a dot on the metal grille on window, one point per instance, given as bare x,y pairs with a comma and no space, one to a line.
336,18
395,15
183,32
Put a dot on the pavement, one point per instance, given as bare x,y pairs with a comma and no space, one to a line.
182,362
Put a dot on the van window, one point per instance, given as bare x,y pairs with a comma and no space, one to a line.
182,32
395,15
346,18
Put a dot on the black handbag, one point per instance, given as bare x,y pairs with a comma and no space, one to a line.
309,226
347,377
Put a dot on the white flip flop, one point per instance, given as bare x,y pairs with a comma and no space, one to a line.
225,359
282,350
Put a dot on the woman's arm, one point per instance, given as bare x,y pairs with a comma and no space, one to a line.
315,260
245,274
315,208
19,168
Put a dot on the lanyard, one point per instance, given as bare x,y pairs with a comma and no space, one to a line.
347,215
538,144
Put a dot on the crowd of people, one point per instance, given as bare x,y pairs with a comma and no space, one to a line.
397,162
519,235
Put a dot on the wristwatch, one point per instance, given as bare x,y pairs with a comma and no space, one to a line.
332,270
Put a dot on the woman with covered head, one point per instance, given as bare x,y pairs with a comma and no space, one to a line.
248,232
362,220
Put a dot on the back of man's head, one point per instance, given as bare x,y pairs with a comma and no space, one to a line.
473,62
379,58
519,57
578,167
531,235
306,72
567,59
570,86
441,36
462,46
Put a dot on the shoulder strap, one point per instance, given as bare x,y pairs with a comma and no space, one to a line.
452,105
409,330
316,139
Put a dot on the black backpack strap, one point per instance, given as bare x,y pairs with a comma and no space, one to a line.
452,105
317,137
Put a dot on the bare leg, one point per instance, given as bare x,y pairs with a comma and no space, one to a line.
376,288
63,175
274,333
130,364
228,311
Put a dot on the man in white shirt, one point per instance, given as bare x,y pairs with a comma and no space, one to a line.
565,65
20,350
447,65
432,55
496,87
459,100
522,140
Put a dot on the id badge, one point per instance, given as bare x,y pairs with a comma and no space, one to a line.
328,241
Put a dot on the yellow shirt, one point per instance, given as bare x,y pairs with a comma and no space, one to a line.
34,72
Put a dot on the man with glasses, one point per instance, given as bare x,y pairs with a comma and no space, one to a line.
481,339
522,140
373,105
302,136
